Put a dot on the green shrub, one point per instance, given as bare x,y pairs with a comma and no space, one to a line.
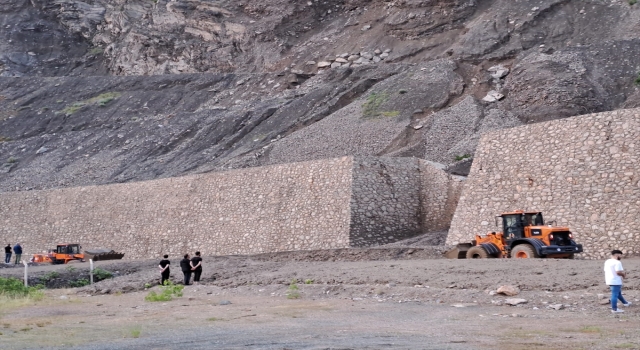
168,291
79,283
459,158
637,81
308,281
14,288
292,293
100,274
633,2
49,276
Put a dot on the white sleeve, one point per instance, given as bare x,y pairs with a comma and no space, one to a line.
617,266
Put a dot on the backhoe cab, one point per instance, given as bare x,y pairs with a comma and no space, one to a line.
524,235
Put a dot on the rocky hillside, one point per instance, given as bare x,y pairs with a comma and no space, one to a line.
102,91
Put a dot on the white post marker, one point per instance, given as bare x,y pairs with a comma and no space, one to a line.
91,270
26,275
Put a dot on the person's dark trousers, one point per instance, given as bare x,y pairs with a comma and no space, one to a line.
165,276
18,256
187,277
196,275
7,258
616,294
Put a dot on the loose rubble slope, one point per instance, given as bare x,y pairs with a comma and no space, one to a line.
106,91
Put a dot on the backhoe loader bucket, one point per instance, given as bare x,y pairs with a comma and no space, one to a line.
459,252
102,254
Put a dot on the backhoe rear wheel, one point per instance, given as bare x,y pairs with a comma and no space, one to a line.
524,251
477,252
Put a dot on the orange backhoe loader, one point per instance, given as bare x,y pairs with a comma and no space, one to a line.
524,235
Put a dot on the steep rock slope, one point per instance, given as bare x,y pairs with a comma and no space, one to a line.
101,91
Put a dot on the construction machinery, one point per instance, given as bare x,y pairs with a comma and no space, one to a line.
524,235
66,253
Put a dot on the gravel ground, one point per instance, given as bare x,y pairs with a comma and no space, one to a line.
245,302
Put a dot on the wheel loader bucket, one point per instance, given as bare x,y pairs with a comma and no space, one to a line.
459,252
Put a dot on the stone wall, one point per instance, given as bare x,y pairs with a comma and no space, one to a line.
299,206
583,172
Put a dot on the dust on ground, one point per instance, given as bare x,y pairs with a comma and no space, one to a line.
246,302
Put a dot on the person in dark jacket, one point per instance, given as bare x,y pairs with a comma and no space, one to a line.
165,272
196,267
185,265
7,254
17,249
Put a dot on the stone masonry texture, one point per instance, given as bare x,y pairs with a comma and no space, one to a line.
297,206
582,172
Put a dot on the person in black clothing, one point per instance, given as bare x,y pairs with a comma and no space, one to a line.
7,254
185,265
164,269
196,267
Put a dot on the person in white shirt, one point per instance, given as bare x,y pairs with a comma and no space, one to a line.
613,275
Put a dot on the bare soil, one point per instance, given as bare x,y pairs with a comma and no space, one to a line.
345,304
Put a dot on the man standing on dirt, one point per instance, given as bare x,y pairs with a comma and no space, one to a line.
185,265
196,267
17,249
613,275
7,254
165,272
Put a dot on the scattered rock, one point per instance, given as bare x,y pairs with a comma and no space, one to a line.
335,64
224,302
515,301
604,302
508,290
341,60
556,306
42,150
365,28
353,58
384,55
324,64
493,96
377,51
311,63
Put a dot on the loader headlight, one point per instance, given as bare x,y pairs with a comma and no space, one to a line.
559,249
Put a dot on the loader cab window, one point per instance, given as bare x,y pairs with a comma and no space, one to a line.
74,249
512,226
533,219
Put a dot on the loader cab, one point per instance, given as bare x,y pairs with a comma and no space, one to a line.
512,226
533,219
68,249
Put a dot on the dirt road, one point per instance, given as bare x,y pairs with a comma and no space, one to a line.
403,304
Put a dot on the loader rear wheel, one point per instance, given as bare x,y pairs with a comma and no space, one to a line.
524,251
477,253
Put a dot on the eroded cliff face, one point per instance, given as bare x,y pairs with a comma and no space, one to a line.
102,91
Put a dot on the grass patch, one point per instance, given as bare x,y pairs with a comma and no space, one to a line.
633,2
100,100
168,291
390,114
590,329
13,288
135,332
292,292
96,50
626,346
213,319
4,139
637,81
370,109
79,283
308,281
12,160
464,156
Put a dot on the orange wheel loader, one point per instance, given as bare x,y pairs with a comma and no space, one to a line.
63,254
524,235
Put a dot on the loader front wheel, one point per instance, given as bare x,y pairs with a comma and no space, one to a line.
477,253
524,251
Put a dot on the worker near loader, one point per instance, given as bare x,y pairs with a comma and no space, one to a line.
17,250
613,275
185,266
165,271
7,254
